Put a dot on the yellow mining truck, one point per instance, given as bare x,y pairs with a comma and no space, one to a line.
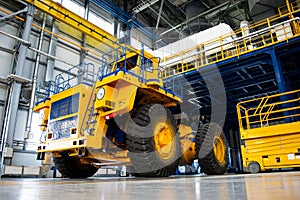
270,132
122,116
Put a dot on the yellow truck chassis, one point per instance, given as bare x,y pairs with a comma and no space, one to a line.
122,116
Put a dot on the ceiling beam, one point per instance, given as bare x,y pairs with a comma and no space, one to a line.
143,6
243,16
195,17
165,20
159,14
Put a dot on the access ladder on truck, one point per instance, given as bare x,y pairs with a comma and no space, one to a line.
270,131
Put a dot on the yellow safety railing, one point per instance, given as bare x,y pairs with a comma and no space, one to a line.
269,110
293,7
258,35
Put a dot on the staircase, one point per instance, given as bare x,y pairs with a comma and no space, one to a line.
90,116
92,119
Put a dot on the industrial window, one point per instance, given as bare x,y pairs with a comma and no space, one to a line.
72,6
64,106
96,19
102,23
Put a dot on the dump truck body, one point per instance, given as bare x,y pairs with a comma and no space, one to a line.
121,117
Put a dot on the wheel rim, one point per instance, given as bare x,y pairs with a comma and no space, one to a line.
253,167
219,149
163,140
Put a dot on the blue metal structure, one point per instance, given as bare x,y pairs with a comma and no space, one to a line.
269,70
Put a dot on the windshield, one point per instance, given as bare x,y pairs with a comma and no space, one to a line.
128,63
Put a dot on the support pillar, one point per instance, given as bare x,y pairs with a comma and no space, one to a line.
83,43
281,83
15,90
83,52
34,84
278,72
51,51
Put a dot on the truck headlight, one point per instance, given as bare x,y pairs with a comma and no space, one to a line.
100,93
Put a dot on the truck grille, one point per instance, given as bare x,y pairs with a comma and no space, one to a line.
61,129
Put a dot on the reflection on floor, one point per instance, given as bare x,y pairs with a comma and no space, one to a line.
279,185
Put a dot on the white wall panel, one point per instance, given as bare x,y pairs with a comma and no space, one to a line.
20,125
6,41
45,47
68,55
5,64
3,92
28,69
1,115
25,159
41,73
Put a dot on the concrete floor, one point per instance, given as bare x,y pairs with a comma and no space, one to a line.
283,186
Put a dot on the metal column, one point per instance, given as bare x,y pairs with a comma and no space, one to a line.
278,71
281,83
83,43
83,52
34,83
15,90
52,52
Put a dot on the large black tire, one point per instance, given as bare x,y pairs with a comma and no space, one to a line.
72,167
211,149
153,142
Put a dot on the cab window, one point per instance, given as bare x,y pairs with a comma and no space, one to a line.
130,63
148,65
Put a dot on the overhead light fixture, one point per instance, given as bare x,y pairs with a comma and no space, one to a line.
143,6
157,40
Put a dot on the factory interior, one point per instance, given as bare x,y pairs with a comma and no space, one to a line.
149,99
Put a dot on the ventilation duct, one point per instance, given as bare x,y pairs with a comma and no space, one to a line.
191,10
252,3
261,9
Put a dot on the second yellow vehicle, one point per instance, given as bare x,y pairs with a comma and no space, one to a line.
270,132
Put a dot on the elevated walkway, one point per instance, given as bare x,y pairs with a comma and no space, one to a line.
254,61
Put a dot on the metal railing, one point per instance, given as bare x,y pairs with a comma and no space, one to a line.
83,73
269,110
248,39
132,62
